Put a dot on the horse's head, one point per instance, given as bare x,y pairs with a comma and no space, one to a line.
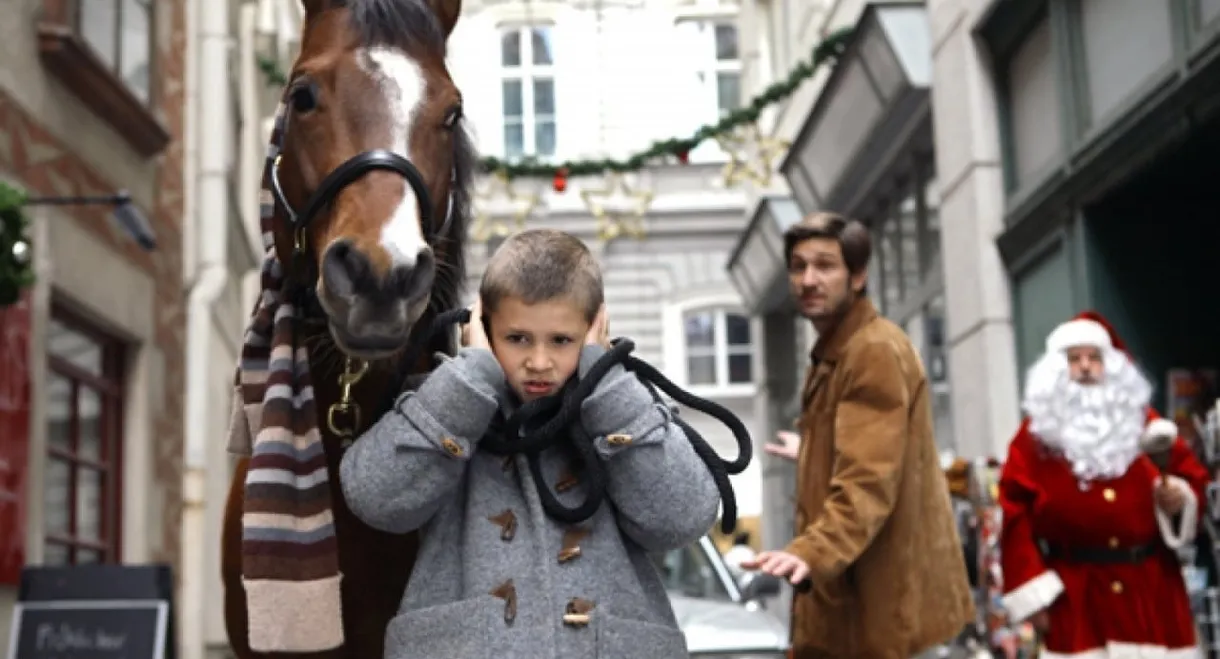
374,168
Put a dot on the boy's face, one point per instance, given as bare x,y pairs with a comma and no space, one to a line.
537,345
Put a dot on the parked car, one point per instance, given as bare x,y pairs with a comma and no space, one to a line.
720,619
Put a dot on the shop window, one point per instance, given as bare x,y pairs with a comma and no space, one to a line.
1035,133
1042,299
527,83
1206,11
891,264
929,230
83,485
719,349
102,50
926,330
936,362
1114,69
906,245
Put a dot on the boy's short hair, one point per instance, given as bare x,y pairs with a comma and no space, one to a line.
538,265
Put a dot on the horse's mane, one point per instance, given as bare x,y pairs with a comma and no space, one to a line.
398,23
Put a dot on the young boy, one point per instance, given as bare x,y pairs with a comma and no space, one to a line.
495,575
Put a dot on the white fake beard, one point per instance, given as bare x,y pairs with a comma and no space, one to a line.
1095,427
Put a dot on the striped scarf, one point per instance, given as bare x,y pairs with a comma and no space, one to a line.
290,561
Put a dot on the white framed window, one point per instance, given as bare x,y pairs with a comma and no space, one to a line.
717,351
527,84
717,63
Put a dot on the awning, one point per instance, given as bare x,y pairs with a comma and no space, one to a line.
756,265
874,104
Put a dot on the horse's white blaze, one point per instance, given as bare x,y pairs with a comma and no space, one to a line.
402,82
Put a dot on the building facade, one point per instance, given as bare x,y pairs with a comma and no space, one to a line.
228,103
1017,162
567,81
91,368
1098,120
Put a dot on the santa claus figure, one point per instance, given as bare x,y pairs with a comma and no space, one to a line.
1092,513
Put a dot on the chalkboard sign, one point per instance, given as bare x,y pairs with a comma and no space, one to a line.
121,629
94,612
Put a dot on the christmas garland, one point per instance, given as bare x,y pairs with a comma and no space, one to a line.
16,264
678,148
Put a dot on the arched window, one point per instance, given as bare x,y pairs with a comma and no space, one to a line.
718,349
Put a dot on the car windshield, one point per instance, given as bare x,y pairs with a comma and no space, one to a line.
689,571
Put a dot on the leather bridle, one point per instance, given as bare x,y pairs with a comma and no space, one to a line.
344,175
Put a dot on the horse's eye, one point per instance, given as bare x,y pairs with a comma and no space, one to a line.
453,116
304,97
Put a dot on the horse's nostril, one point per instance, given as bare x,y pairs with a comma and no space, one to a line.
343,267
413,282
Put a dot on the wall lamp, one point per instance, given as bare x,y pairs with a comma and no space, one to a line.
126,213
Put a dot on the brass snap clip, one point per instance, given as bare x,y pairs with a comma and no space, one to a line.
345,408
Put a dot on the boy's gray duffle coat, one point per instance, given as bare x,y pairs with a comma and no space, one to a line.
497,577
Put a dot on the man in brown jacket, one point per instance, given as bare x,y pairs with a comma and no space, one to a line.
875,534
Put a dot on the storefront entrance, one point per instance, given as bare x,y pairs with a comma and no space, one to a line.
1152,259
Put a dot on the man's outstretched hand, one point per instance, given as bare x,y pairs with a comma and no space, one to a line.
779,564
787,444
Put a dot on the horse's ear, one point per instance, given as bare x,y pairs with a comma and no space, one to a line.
447,11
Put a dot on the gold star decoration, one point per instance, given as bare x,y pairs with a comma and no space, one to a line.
752,155
619,210
499,195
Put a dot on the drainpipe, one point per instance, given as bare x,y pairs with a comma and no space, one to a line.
205,417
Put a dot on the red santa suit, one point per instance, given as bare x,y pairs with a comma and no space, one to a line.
1082,536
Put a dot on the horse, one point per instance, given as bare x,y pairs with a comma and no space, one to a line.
371,199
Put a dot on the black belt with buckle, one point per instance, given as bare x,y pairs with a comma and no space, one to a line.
1135,554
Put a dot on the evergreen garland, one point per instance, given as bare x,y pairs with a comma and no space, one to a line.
676,147
16,252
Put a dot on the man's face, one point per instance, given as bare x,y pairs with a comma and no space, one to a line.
537,345
1085,364
820,282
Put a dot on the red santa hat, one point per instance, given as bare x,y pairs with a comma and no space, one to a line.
1088,328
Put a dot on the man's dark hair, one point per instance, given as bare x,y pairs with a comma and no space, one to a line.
852,235
538,265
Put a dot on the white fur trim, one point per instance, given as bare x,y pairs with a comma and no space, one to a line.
1032,596
1161,427
1128,651
1158,437
1077,333
1189,525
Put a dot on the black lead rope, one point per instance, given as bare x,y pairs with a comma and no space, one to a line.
554,421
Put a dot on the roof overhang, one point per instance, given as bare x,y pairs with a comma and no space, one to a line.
757,265
874,101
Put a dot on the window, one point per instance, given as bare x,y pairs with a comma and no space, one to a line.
906,244
1042,298
118,32
83,487
528,91
719,350
1113,69
718,63
689,572
1034,121
102,50
1207,11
